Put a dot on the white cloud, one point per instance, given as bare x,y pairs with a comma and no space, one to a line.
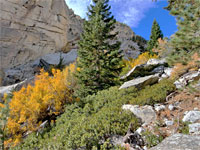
130,12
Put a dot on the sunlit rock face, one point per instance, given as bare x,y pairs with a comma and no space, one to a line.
33,28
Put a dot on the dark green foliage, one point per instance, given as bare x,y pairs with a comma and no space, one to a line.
152,139
60,65
183,127
156,93
186,40
89,124
141,42
156,33
98,60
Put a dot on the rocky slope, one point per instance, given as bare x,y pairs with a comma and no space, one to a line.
32,29
180,113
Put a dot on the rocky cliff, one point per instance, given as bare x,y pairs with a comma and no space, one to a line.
32,29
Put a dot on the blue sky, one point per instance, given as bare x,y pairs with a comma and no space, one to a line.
138,14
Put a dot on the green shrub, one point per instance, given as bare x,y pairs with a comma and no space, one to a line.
152,139
156,93
183,127
88,124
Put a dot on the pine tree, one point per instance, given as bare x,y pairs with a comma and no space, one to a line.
98,65
186,40
156,33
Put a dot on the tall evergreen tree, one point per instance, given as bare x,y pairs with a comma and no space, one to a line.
156,33
186,40
98,60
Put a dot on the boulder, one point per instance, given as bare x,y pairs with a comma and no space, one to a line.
169,122
15,87
159,69
159,107
140,130
134,69
194,128
156,62
171,107
179,142
141,82
153,66
168,71
191,116
116,140
145,113
187,78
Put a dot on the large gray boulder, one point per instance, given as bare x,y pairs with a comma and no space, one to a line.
194,128
179,142
192,116
15,87
141,82
156,61
187,78
153,66
145,113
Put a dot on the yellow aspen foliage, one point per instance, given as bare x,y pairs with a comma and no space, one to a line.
1,106
180,69
31,105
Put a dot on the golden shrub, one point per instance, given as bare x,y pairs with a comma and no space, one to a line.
1,106
31,105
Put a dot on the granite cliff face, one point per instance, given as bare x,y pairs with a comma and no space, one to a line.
32,29
125,35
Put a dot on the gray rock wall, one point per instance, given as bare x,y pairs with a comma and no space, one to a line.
125,35
30,29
